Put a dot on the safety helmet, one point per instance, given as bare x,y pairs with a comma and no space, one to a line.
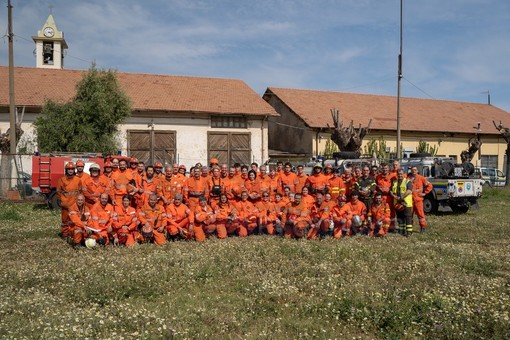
108,164
357,221
133,161
80,163
94,166
70,165
317,165
342,198
158,165
328,166
147,232
214,161
400,207
182,166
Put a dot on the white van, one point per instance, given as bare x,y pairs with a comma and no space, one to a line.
492,176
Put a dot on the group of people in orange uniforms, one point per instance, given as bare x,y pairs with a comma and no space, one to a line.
128,202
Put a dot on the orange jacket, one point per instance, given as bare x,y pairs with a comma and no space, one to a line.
204,215
155,217
421,185
224,211
267,210
254,189
320,212
121,183
296,213
93,187
384,183
309,200
196,188
68,188
358,208
246,210
79,217
343,212
317,181
101,216
288,180
124,217
177,213
379,212
336,186
301,182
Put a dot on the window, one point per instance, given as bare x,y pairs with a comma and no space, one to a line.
489,161
229,122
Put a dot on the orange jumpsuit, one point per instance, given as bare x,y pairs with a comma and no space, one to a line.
101,217
125,225
302,178
216,187
122,185
156,219
93,187
358,208
248,215
336,187
317,183
178,219
79,219
150,187
309,201
68,188
83,176
321,217
254,190
195,189
384,184
275,186
380,216
227,222
288,179
296,219
268,216
205,222
421,185
342,216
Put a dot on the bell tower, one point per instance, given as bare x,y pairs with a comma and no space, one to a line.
49,46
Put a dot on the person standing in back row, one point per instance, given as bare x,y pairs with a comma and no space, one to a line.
421,187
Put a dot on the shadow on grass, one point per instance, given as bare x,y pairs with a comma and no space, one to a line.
40,206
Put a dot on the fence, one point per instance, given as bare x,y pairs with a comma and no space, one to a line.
16,176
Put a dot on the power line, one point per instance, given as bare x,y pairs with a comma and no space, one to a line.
419,89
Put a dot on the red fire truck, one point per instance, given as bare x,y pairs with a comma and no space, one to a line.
48,168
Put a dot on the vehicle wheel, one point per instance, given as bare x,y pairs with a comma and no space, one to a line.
460,209
430,205
53,201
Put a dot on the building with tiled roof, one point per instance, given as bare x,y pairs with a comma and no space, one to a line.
306,114
174,119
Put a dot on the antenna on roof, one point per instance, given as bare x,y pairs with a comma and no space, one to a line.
488,96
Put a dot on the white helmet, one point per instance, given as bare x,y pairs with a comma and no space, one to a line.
94,166
356,221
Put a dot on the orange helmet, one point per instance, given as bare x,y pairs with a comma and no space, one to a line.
400,207
342,198
182,166
80,163
69,165
158,165
214,161
133,160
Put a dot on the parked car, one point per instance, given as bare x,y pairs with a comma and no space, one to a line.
25,184
491,176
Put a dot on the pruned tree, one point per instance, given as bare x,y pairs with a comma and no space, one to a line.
474,145
89,122
348,138
505,132
7,160
424,147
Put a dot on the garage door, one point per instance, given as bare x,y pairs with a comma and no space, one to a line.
152,146
229,147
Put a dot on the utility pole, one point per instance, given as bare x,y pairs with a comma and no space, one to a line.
399,79
12,106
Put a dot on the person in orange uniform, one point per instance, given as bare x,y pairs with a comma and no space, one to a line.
421,187
106,176
150,186
358,208
302,177
80,166
133,166
306,198
94,186
265,180
68,188
268,217
296,218
329,172
288,178
275,184
280,205
216,185
342,217
321,218
153,221
102,218
336,186
122,183
379,216
349,181
79,214
180,218
317,182
227,222
125,223
158,170
248,215
198,186
253,186
205,220
384,181
229,183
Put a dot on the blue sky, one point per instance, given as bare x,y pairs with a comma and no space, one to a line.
453,50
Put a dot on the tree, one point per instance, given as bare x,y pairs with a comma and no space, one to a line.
424,147
89,122
376,148
347,138
505,132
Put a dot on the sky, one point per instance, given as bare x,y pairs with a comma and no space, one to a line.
452,50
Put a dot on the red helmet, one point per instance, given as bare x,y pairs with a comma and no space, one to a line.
133,160
214,161
108,164
182,166
342,198
80,163
69,165
158,165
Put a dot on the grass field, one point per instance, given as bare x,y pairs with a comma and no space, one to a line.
453,282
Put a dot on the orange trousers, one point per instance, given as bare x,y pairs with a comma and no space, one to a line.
225,228
418,210
342,228
173,230
202,231
157,237
246,228
376,229
314,232
127,238
65,220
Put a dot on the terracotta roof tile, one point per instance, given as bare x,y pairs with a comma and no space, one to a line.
313,107
148,92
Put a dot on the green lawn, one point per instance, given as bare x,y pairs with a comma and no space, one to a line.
453,282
